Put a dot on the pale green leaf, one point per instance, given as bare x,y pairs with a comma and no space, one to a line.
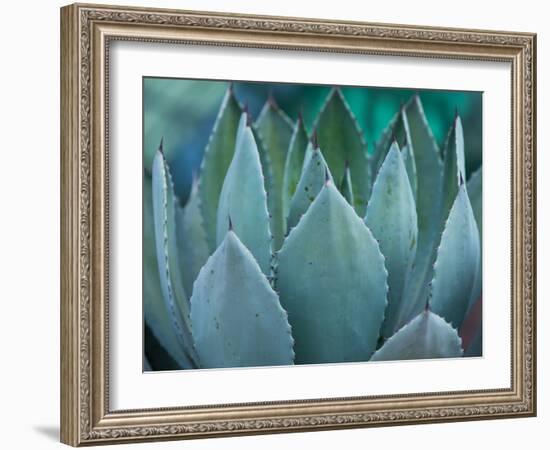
243,200
456,266
454,170
396,131
154,309
391,216
275,131
428,205
311,182
237,318
475,193
216,160
410,165
171,282
427,336
342,141
332,281
294,163
346,187
192,243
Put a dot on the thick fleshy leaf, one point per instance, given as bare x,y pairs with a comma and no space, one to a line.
396,131
342,141
275,130
311,182
237,318
311,146
265,161
456,266
294,163
154,309
391,217
454,170
427,336
171,281
332,281
383,143
410,165
346,187
217,157
243,200
192,243
428,206
475,193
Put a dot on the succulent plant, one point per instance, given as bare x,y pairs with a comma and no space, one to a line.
304,248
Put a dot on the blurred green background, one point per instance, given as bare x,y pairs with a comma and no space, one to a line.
183,112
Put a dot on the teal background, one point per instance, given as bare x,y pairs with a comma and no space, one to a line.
183,112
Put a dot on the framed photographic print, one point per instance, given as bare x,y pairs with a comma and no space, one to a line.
277,224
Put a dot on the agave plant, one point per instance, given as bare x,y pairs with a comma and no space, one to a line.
297,247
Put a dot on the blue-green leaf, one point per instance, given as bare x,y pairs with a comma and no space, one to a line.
428,206
342,141
237,318
410,165
217,157
382,145
311,182
154,309
454,171
475,193
294,163
346,187
332,281
171,282
427,336
456,266
391,216
192,243
243,200
396,131
275,131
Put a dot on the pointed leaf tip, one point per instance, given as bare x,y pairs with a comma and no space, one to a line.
161,146
313,283
271,99
215,162
237,318
426,336
341,138
457,260
314,139
244,198
391,216
301,116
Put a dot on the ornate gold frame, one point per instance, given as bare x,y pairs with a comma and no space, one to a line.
86,31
